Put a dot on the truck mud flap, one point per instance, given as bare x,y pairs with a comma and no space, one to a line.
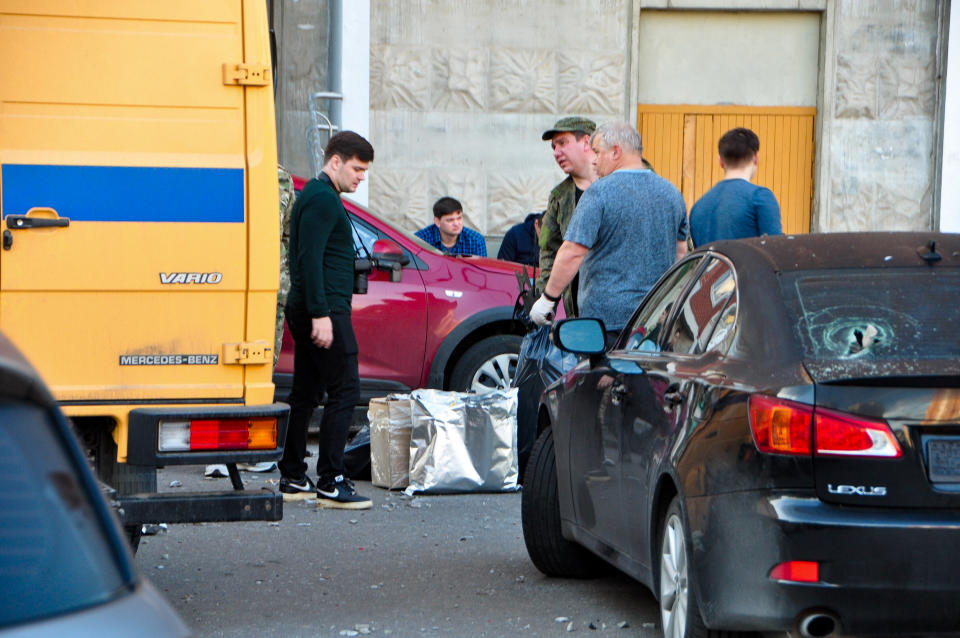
200,507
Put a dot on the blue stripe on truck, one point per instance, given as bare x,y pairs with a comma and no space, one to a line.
125,193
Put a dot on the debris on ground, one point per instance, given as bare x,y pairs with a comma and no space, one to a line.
152,529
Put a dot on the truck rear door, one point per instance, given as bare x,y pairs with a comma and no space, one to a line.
124,145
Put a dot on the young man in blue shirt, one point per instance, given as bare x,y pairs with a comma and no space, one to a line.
735,207
447,232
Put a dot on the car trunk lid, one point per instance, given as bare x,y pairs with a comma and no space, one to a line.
923,414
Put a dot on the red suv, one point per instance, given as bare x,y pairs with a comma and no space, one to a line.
428,320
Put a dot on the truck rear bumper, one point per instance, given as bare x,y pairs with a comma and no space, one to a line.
198,507
144,428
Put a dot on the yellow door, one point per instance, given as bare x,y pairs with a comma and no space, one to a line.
123,194
681,143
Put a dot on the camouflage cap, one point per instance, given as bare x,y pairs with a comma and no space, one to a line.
571,124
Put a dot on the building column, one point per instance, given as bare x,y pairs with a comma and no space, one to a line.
950,152
355,76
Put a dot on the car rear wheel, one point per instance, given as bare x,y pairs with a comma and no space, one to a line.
679,607
489,364
550,552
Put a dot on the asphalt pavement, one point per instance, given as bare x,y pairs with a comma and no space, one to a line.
451,565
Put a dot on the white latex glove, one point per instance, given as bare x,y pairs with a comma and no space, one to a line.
543,311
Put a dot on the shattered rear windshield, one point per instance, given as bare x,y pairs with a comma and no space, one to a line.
875,315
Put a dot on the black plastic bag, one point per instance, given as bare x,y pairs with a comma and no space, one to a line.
356,456
540,364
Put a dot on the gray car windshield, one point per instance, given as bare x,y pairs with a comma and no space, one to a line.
876,314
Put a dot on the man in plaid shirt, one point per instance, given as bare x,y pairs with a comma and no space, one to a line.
447,232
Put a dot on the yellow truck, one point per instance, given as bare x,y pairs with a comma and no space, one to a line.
140,256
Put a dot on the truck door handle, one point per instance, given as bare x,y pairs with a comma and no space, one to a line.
19,222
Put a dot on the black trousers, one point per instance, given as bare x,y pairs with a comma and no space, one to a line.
315,371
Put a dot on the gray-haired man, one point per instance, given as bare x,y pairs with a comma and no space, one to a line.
629,227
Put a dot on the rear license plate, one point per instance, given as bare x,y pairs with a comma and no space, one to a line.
943,460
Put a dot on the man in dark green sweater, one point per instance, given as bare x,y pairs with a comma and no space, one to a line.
320,259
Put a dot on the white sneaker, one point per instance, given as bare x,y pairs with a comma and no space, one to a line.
216,471
263,466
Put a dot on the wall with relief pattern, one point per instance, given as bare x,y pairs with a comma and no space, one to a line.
461,91
881,140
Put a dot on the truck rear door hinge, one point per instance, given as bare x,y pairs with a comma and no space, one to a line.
241,73
248,353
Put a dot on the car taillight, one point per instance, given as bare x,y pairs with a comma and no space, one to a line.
838,434
217,434
786,427
797,571
779,426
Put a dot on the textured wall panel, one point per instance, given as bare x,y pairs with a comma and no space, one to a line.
401,196
592,83
459,78
513,197
399,78
461,91
524,81
882,144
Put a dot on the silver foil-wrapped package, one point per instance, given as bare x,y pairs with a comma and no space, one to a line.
390,426
463,442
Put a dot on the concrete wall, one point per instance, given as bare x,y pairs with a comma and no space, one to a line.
880,116
461,91
750,58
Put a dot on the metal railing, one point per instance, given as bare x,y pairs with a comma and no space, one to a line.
321,129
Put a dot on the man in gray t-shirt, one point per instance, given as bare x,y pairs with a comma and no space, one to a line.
629,227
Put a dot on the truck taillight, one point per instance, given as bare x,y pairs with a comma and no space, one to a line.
218,434
785,427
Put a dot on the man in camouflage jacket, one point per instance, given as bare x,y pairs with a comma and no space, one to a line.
287,196
570,140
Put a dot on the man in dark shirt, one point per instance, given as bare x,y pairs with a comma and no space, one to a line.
735,208
320,258
520,244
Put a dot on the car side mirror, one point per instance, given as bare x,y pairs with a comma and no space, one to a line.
387,255
580,336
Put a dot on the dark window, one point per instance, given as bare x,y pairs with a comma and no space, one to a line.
55,555
875,314
645,330
363,235
703,308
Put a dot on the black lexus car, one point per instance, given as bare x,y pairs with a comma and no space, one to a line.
773,442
